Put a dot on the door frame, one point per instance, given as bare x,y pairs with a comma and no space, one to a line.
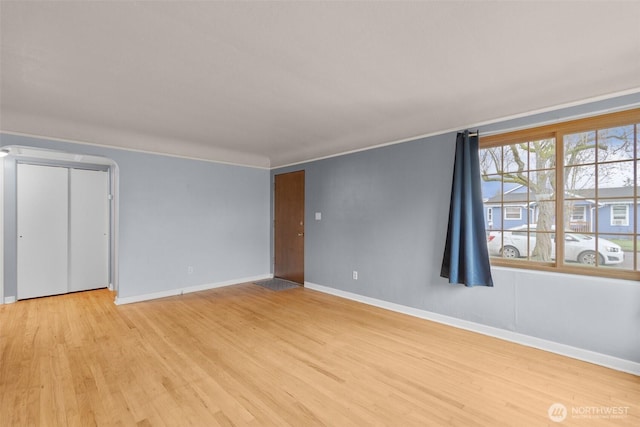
2,301
45,157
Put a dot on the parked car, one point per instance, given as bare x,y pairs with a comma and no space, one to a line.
577,247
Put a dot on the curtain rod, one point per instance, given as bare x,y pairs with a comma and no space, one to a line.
476,133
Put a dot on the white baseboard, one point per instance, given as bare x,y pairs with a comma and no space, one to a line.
189,289
527,340
9,300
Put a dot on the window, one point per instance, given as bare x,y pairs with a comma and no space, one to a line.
620,215
490,216
512,213
578,214
578,179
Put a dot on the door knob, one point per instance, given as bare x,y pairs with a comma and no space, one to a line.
300,234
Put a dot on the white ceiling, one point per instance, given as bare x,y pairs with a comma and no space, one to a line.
274,83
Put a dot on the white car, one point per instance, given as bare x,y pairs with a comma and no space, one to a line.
577,247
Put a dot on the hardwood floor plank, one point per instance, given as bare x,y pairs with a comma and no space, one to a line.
244,355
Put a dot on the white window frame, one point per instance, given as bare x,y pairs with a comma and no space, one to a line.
626,215
584,213
490,215
507,218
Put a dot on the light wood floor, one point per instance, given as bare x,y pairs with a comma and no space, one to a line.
244,355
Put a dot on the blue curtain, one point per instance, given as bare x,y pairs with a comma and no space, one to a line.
466,259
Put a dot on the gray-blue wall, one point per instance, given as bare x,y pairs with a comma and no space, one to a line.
384,214
176,213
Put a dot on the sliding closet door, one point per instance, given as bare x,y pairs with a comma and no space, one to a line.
88,230
42,196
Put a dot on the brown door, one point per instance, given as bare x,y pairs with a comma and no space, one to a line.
289,226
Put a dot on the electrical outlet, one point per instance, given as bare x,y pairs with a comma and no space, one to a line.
190,269
355,275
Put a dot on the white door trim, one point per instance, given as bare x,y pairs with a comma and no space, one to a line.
2,231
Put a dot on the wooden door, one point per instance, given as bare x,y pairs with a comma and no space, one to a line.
42,230
289,226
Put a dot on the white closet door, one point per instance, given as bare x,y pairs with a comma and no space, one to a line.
42,194
89,230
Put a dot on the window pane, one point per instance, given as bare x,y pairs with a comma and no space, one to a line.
516,157
542,154
542,247
579,180
490,160
616,251
492,188
616,143
495,244
580,148
519,195
580,248
542,184
616,175
578,215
